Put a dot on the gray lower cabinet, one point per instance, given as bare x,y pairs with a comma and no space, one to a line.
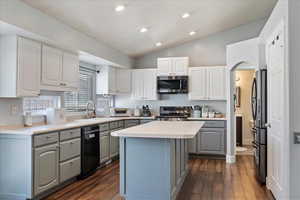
69,169
114,146
104,147
211,139
46,168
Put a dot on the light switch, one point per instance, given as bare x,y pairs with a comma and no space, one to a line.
296,137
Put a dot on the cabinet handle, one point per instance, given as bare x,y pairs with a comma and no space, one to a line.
48,137
71,163
71,142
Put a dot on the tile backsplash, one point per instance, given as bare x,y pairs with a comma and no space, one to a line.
168,100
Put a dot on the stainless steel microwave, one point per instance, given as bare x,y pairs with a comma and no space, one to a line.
172,84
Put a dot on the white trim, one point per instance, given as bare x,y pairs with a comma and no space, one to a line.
230,159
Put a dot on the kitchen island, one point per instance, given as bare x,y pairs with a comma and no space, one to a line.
153,159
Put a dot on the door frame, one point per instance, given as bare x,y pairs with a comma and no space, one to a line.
231,121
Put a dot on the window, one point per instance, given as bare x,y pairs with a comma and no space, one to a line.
76,101
38,105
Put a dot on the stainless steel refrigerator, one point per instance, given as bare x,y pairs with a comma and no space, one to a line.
259,113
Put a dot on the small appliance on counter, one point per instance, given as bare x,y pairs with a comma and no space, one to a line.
28,119
120,112
137,112
146,111
55,116
197,112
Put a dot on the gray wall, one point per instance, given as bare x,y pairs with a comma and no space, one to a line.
207,51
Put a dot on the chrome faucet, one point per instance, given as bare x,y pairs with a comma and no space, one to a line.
90,109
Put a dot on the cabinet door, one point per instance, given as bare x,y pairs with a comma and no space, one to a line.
123,81
29,67
114,146
180,66
164,66
137,85
211,141
70,70
112,87
198,83
217,83
104,148
192,145
46,166
51,66
150,88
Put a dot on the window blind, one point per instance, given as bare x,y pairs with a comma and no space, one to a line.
76,101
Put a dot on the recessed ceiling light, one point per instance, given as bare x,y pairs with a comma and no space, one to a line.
119,8
143,30
185,15
192,32
158,44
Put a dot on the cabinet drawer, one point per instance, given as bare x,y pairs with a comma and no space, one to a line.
44,139
104,127
130,123
70,149
103,133
70,134
113,125
214,124
69,169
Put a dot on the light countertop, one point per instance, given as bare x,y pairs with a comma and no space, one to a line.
68,125
207,119
162,129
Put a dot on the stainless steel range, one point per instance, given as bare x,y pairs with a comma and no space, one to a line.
174,113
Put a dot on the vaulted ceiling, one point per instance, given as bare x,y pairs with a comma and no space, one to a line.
162,18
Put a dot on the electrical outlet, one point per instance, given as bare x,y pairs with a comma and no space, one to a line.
14,109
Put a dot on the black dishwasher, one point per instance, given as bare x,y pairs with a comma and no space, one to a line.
90,150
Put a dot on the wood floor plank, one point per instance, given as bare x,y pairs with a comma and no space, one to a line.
207,180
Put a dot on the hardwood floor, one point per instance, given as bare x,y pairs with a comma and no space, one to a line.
208,179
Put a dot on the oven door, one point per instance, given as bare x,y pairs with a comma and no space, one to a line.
172,85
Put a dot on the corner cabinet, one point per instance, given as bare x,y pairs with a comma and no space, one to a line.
144,84
207,83
111,81
20,65
60,70
176,66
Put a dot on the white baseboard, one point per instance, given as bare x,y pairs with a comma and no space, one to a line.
230,159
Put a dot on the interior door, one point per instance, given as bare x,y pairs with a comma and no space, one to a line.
275,52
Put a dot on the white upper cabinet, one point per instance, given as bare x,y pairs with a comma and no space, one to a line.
176,66
52,59
217,83
20,65
144,84
123,81
70,70
207,83
60,70
113,81
198,83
